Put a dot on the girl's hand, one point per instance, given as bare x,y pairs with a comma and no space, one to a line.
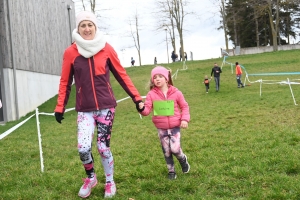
184,124
141,105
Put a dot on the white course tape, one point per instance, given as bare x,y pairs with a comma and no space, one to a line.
6,133
14,128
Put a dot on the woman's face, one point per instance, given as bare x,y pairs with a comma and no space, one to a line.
87,30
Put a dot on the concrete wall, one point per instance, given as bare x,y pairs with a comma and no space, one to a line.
254,50
33,37
33,90
39,31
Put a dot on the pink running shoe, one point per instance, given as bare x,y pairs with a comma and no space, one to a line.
110,190
87,186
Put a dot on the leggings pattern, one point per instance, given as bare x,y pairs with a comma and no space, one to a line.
86,123
170,143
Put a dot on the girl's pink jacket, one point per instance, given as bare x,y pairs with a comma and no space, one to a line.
181,108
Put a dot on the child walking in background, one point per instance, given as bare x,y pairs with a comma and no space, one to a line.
206,83
170,113
238,72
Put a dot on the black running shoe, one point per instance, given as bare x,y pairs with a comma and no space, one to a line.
172,175
185,166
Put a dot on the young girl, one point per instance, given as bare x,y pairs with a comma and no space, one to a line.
170,113
206,83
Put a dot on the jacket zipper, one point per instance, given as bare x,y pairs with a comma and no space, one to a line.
93,86
109,89
166,98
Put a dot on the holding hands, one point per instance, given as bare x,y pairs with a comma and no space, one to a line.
140,106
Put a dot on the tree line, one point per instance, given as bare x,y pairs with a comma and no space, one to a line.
254,23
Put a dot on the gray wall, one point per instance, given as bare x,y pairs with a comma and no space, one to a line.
262,49
254,50
33,37
40,32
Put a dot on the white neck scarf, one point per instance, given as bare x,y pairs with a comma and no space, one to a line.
88,48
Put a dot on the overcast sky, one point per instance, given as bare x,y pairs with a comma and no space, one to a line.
201,36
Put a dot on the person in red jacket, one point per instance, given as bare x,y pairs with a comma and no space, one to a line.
90,59
238,72
170,113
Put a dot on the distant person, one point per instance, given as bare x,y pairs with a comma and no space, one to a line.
185,56
155,61
206,83
174,56
238,72
164,96
132,62
180,54
90,60
216,71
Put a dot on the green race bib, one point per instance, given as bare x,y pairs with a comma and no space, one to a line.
163,108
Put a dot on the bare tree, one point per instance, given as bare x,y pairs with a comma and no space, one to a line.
274,21
165,20
83,4
224,23
134,32
258,15
272,8
172,16
92,4
178,13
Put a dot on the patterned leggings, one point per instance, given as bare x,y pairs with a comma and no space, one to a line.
86,123
170,143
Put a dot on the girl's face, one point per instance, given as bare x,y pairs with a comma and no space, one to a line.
87,30
160,81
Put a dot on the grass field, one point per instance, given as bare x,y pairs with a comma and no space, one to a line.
240,145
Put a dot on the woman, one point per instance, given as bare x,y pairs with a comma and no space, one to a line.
90,59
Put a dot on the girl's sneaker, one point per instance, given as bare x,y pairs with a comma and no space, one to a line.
110,190
172,175
185,166
87,186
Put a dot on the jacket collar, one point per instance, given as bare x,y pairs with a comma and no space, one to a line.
88,48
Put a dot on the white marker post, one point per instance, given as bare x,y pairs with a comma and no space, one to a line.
40,138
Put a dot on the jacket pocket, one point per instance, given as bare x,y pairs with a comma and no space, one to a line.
79,93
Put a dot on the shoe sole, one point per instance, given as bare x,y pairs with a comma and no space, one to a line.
110,196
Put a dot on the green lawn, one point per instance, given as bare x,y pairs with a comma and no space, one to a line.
240,145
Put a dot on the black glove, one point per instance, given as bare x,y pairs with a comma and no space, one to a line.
137,106
59,117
